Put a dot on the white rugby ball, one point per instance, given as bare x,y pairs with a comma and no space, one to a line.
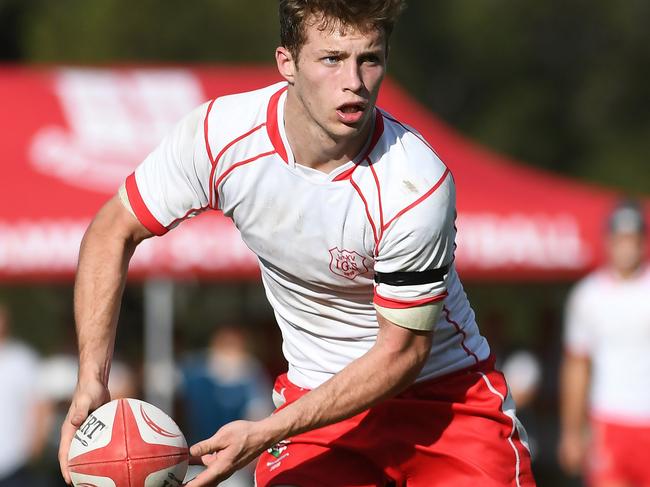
128,443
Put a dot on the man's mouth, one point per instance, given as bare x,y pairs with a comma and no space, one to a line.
351,112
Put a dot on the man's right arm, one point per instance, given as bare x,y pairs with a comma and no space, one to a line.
574,390
106,249
575,377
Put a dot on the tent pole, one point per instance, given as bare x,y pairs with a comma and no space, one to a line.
159,377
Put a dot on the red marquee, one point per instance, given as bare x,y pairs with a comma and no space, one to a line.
72,135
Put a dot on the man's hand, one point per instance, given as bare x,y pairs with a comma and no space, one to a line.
575,378
232,447
571,453
87,397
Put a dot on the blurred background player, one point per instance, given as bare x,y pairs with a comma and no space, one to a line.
606,366
22,424
220,384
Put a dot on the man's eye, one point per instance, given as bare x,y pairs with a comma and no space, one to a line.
331,59
371,60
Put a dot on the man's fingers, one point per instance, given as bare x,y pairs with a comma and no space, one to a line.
208,459
67,433
205,447
204,460
77,414
79,410
210,477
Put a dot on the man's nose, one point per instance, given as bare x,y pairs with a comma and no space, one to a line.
352,73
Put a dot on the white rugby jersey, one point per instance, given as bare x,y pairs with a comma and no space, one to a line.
608,319
319,237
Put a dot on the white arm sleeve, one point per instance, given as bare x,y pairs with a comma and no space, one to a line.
420,239
172,183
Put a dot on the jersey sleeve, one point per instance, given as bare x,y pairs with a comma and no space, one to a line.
577,330
172,183
418,248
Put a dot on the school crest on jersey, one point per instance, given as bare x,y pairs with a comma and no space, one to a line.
347,263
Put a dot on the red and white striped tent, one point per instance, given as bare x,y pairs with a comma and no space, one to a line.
71,135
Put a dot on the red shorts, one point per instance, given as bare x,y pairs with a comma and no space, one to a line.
450,431
619,454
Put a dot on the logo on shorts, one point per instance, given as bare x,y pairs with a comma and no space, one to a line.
347,263
277,449
278,452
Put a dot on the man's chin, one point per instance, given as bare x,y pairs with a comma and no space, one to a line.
343,129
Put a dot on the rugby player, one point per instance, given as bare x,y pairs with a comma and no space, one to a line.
351,214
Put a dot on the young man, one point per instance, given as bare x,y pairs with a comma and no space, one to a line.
352,216
607,363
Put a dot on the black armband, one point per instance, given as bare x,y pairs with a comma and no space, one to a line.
412,278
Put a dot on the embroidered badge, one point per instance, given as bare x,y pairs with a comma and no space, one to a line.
347,263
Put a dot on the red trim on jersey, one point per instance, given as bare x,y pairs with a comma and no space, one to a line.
347,174
420,199
236,165
223,151
272,127
381,209
205,132
365,204
186,216
403,304
376,135
460,331
140,208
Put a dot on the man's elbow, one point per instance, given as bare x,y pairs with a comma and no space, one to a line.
114,223
408,362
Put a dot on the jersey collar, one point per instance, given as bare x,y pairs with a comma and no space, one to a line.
278,137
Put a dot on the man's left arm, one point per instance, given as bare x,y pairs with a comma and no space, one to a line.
391,365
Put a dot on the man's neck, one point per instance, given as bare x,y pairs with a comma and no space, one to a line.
628,274
312,146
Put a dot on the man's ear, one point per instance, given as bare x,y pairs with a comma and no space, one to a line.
286,64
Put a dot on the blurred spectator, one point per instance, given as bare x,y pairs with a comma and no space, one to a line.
22,426
606,370
523,374
222,384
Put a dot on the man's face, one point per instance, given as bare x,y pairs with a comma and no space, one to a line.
625,251
337,77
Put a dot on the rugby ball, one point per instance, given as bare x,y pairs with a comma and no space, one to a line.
128,443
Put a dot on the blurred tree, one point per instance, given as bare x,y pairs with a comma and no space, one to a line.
105,31
557,84
562,85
